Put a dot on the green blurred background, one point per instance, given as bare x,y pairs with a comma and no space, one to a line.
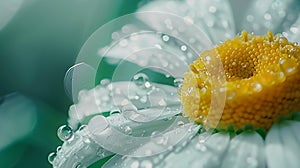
39,41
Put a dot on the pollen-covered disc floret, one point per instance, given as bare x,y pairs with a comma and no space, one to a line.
262,82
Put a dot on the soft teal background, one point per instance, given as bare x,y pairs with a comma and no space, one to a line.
37,46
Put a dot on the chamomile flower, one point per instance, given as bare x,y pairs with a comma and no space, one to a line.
186,91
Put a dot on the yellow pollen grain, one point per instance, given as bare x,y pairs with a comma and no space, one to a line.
262,82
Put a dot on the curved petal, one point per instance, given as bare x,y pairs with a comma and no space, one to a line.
214,17
204,151
102,136
283,145
245,150
162,50
270,15
153,101
79,151
140,139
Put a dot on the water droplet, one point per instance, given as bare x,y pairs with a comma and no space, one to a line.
127,130
250,18
141,80
201,147
65,133
165,38
267,16
58,149
212,9
178,82
183,48
135,164
180,123
161,140
230,95
82,127
123,43
105,82
51,157
146,164
288,66
256,86
143,99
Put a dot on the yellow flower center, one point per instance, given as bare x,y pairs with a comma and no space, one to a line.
262,82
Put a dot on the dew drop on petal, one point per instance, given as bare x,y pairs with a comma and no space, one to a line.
183,48
165,38
256,87
65,133
180,123
123,43
82,127
146,164
105,82
178,82
58,149
127,130
141,80
51,157
135,164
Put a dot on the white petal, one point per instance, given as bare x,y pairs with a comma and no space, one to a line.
80,151
283,145
245,150
214,17
143,139
160,50
270,15
204,151
157,101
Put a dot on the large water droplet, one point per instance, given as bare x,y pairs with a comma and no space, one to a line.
58,149
105,82
51,157
65,133
183,48
165,38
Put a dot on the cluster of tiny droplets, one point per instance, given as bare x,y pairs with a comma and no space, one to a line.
89,99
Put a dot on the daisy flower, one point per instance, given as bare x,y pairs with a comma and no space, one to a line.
186,90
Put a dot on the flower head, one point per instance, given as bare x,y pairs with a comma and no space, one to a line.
137,117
